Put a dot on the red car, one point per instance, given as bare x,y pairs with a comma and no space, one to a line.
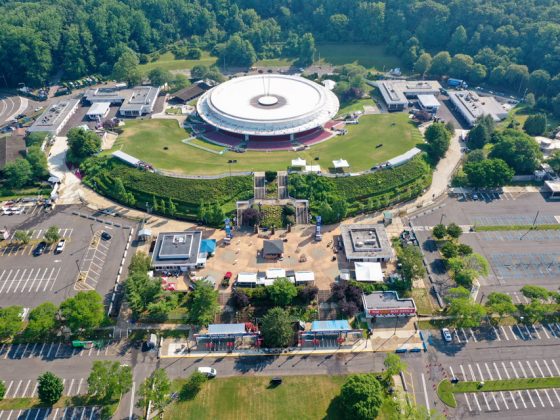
228,276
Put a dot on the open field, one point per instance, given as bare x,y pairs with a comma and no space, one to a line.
356,105
304,397
147,140
372,57
167,61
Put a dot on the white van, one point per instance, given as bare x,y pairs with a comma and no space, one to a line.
208,371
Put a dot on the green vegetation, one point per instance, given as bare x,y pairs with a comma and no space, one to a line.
277,329
372,57
251,396
158,142
446,389
167,61
83,312
202,304
50,388
422,300
155,389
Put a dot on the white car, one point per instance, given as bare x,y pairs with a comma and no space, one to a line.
446,335
60,246
208,371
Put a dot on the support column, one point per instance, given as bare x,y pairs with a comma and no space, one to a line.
246,137
292,137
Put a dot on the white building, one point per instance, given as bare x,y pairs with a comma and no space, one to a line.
98,111
428,103
472,106
55,117
142,101
396,93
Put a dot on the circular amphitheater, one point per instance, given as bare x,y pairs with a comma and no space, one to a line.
267,108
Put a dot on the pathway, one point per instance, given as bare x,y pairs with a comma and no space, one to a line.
282,181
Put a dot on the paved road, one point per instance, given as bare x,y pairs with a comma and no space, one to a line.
10,106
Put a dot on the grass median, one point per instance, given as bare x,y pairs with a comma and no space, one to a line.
446,389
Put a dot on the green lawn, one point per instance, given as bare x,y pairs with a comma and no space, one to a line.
423,301
356,105
274,62
372,57
301,397
167,61
146,140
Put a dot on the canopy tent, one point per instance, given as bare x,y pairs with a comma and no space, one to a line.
313,168
275,273
304,276
368,271
208,246
340,163
299,162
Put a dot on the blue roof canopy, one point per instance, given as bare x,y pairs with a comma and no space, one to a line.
226,329
208,246
332,325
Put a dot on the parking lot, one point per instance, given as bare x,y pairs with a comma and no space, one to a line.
488,402
517,257
58,350
29,280
66,413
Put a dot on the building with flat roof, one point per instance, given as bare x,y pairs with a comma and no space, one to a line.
553,187
98,111
55,117
178,251
113,96
141,101
396,93
387,304
471,106
428,103
272,249
193,91
366,243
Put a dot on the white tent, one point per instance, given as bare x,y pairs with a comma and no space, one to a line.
340,163
313,168
304,276
299,162
368,271
275,273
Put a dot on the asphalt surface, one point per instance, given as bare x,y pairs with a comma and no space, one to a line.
27,280
9,106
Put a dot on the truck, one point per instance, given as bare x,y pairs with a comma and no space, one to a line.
456,83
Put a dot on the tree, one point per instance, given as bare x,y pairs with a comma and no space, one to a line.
42,321
554,161
160,76
10,321
518,150
35,138
440,63
423,64
50,388
458,39
478,136
239,299
535,292
475,156
361,396
17,173
140,263
282,292
454,231
180,81
82,144
461,66
126,68
276,328
141,290
156,389
539,81
488,173
2,390
38,161
192,386
530,100
306,50
393,365
109,379
438,139
500,303
238,52
410,257
83,312
22,236
171,207
535,125
464,249
203,304
439,231
466,312
52,235
449,250
535,311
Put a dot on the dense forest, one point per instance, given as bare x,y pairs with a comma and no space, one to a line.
509,43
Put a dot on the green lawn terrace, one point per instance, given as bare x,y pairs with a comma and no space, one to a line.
160,143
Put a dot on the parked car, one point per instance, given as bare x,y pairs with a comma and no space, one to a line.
60,246
40,249
105,236
446,335
208,371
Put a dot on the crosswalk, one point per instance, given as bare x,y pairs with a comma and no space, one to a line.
50,351
549,331
92,263
66,413
503,370
28,280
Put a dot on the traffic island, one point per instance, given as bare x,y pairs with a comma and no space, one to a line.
446,389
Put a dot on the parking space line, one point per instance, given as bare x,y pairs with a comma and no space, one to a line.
42,347
34,389
50,349
27,281
522,369
514,370
520,332
531,398
26,388
17,389
56,352
504,332
9,387
425,392
544,331
12,282
497,333
529,332
32,351
457,335
79,386
6,281
491,378
465,335
531,368
551,329
472,335
53,280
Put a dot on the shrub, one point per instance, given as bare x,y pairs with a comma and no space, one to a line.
239,299
193,386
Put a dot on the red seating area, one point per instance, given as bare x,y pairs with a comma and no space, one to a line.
265,143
